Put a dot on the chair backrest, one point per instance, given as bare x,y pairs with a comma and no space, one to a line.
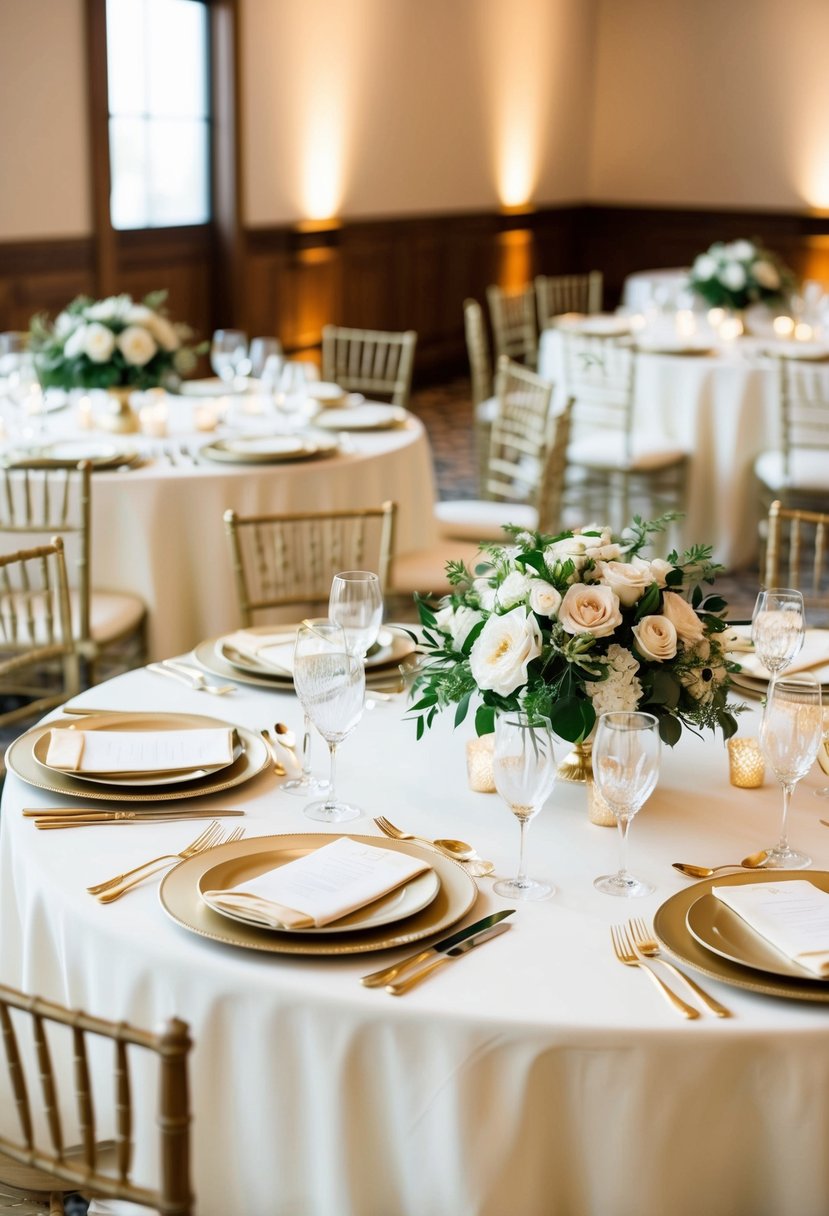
54,501
30,1070
804,409
477,346
38,658
512,316
599,377
282,560
370,361
560,293
520,433
797,555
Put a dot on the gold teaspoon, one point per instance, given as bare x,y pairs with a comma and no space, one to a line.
754,861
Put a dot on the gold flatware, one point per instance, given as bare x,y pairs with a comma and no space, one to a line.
97,818
754,861
285,736
458,850
82,812
378,979
189,677
278,766
626,954
110,894
400,986
203,841
646,944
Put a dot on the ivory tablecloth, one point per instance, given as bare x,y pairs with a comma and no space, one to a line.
534,1076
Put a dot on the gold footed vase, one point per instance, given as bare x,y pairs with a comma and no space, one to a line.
577,764
119,417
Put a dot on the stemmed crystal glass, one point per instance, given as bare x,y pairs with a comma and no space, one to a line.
778,628
261,350
625,769
229,354
524,767
823,753
330,684
356,603
790,734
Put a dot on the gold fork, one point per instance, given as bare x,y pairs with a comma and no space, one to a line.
211,836
626,953
388,829
646,944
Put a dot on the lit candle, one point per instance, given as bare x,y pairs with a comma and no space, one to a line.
83,414
730,329
783,327
479,764
152,419
206,417
686,323
746,767
598,811
802,332
715,316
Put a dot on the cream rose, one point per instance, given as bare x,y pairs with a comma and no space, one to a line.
766,274
544,599
99,342
660,569
137,345
590,608
630,580
502,650
689,627
655,638
513,590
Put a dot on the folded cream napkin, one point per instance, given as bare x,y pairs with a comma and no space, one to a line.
320,887
814,656
792,914
146,751
274,650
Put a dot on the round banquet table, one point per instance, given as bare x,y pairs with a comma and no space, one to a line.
723,409
534,1075
157,529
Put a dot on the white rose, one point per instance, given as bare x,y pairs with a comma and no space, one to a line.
689,627
704,267
139,314
65,323
733,276
656,638
590,609
457,622
743,251
766,274
485,593
502,650
513,590
75,344
111,309
99,342
660,569
544,599
630,580
137,345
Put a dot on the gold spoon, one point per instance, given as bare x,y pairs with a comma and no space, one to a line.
278,766
285,735
754,861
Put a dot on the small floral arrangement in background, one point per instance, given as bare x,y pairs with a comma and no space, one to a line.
739,274
572,626
110,344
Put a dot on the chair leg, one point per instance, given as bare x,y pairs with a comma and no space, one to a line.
56,1204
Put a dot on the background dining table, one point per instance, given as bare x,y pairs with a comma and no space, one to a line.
158,530
535,1075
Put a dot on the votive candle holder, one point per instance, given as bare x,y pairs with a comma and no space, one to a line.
479,768
746,767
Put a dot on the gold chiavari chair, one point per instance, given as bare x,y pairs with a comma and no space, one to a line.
557,294
371,361
797,472
37,1165
797,555
484,403
512,316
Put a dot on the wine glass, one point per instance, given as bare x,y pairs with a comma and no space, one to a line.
356,603
823,753
790,734
331,685
261,350
625,769
778,628
524,767
229,354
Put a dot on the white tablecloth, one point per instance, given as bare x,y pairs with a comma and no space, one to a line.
648,288
724,410
158,530
534,1076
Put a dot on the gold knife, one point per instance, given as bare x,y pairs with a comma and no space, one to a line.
471,943
378,979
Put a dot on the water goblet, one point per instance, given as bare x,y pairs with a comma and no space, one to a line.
330,684
524,769
823,753
778,628
229,354
790,734
261,351
356,603
625,770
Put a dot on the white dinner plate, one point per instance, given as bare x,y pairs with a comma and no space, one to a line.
672,346
719,929
393,646
212,386
101,453
269,449
371,416
599,325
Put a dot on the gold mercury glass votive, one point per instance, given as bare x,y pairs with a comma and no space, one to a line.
746,767
479,764
598,811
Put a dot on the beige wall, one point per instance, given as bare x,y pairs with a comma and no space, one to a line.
712,102
44,157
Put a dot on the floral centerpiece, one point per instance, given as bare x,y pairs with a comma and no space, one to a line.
110,344
572,626
738,274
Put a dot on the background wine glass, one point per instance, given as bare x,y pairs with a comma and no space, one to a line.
790,734
524,768
356,603
261,350
625,769
778,628
823,752
229,354
331,685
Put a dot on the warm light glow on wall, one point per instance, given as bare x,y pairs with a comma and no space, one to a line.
322,167
816,181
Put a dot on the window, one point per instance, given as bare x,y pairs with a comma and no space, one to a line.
159,115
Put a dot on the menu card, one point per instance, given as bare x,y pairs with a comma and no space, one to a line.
320,887
144,751
792,914
273,650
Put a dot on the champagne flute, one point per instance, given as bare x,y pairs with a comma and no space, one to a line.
356,603
778,628
790,734
524,768
229,354
331,685
625,769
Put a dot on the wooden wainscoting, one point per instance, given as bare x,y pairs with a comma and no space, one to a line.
42,276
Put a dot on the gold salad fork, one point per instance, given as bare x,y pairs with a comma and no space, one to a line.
107,892
626,953
646,944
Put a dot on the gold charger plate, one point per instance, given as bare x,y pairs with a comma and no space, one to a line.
181,900
21,760
716,927
267,449
368,416
670,926
404,901
66,453
394,646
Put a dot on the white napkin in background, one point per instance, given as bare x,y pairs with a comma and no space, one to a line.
146,751
813,657
275,650
320,887
792,914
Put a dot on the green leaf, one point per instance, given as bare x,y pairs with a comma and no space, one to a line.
572,718
534,560
462,708
670,730
665,690
471,636
649,603
485,719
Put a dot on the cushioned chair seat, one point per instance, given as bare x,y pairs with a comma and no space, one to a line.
807,470
112,614
480,519
425,569
608,452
